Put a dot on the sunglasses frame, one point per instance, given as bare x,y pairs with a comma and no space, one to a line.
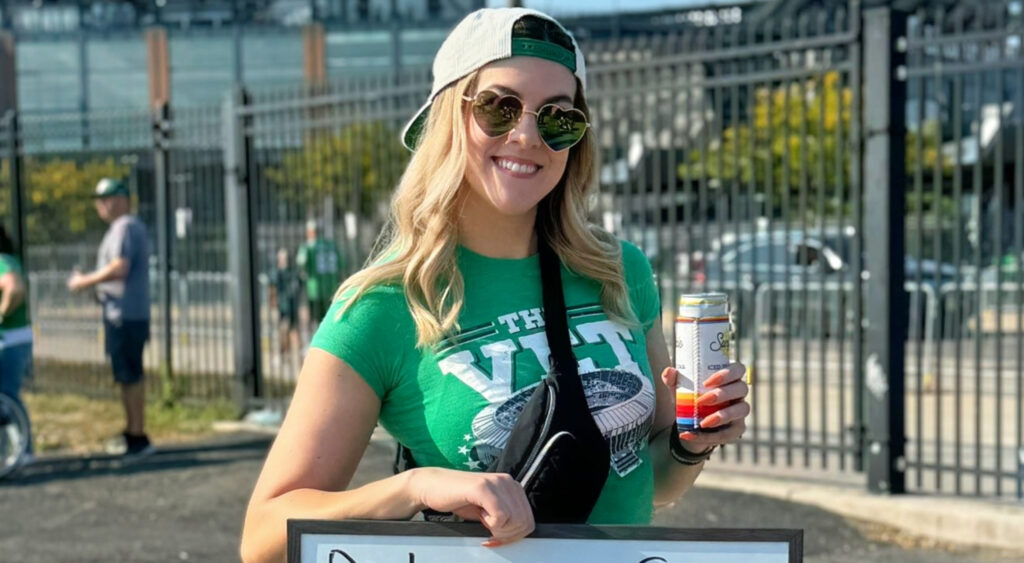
523,111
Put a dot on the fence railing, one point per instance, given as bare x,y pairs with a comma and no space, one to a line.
741,158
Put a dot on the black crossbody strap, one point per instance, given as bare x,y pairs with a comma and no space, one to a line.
556,324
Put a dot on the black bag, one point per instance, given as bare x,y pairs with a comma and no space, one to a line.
555,450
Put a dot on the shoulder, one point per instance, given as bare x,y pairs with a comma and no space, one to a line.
373,306
635,265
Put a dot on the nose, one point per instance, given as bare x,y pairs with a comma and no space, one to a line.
526,132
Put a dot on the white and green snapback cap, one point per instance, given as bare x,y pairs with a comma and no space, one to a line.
483,37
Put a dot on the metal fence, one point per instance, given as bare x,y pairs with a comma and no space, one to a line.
851,178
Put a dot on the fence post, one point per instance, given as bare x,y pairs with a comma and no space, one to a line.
17,188
885,202
161,177
240,208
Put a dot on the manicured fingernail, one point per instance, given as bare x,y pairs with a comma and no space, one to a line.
687,436
709,398
711,421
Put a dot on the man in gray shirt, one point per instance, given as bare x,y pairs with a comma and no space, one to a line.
121,280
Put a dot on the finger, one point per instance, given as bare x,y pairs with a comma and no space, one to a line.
735,411
697,441
720,395
735,372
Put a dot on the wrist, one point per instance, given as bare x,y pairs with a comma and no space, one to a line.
412,487
683,454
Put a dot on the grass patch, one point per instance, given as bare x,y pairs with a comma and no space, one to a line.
70,423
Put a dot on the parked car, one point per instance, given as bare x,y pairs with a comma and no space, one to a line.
774,262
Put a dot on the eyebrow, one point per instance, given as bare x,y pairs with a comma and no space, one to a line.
553,99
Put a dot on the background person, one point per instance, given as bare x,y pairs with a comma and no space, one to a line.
15,330
445,327
320,266
284,298
121,279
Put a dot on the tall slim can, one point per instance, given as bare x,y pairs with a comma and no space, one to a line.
702,348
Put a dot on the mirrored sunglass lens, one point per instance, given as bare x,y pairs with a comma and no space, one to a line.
561,128
496,114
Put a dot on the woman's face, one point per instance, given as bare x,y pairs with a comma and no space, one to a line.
510,174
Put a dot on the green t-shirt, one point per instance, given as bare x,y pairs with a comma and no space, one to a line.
321,264
454,404
19,317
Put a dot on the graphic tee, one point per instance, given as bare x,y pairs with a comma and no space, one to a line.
454,404
321,263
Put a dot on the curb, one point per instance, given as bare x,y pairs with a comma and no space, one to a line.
944,518
991,523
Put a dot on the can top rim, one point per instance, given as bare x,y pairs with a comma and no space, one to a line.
704,299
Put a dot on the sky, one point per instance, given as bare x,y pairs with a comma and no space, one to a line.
559,7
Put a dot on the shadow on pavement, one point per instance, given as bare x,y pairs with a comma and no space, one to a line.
166,458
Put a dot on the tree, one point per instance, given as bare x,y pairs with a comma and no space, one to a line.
358,167
800,134
58,205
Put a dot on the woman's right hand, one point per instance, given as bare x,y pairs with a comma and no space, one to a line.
496,500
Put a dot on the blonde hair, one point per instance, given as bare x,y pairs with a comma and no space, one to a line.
417,248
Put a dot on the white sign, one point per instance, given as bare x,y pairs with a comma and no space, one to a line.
315,541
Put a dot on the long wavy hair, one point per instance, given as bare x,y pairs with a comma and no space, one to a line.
417,247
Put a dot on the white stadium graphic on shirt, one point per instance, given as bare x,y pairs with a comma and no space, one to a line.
620,397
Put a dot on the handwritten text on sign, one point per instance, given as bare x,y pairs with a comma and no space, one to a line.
335,548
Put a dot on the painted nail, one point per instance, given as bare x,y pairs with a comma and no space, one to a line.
711,421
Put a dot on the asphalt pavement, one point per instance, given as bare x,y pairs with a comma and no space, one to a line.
186,503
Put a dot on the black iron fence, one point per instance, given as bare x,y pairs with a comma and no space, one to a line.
852,178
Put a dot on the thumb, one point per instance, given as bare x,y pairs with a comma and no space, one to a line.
469,512
669,375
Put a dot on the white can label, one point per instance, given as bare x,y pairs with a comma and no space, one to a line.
702,348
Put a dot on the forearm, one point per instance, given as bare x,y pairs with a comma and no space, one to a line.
7,303
671,478
264,538
115,270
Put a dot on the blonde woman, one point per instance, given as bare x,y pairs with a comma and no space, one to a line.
445,327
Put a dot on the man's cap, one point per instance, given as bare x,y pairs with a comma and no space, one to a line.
109,187
483,37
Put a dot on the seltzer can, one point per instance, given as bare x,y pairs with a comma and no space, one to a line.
702,348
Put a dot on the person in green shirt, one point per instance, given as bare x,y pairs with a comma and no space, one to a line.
440,339
320,266
15,330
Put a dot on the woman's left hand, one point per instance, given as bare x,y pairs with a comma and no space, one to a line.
726,387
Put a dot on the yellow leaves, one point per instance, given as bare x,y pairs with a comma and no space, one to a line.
58,194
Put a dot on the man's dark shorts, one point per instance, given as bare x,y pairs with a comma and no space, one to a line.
318,308
125,342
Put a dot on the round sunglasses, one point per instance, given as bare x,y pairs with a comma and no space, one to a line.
496,115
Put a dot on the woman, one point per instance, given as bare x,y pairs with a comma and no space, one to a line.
15,332
445,326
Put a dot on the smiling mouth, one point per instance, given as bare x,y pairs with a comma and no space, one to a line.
518,168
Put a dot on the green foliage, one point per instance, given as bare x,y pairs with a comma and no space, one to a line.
58,205
358,166
800,135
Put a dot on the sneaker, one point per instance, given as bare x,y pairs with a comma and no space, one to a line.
117,445
138,446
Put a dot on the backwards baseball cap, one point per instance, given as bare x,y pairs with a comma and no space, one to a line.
483,37
109,187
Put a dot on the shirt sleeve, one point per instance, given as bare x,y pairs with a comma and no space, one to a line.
132,245
372,337
643,290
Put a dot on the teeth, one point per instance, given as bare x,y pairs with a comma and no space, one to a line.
517,167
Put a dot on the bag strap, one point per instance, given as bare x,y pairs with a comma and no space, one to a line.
556,324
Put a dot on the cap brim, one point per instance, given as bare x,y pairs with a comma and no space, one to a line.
413,129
